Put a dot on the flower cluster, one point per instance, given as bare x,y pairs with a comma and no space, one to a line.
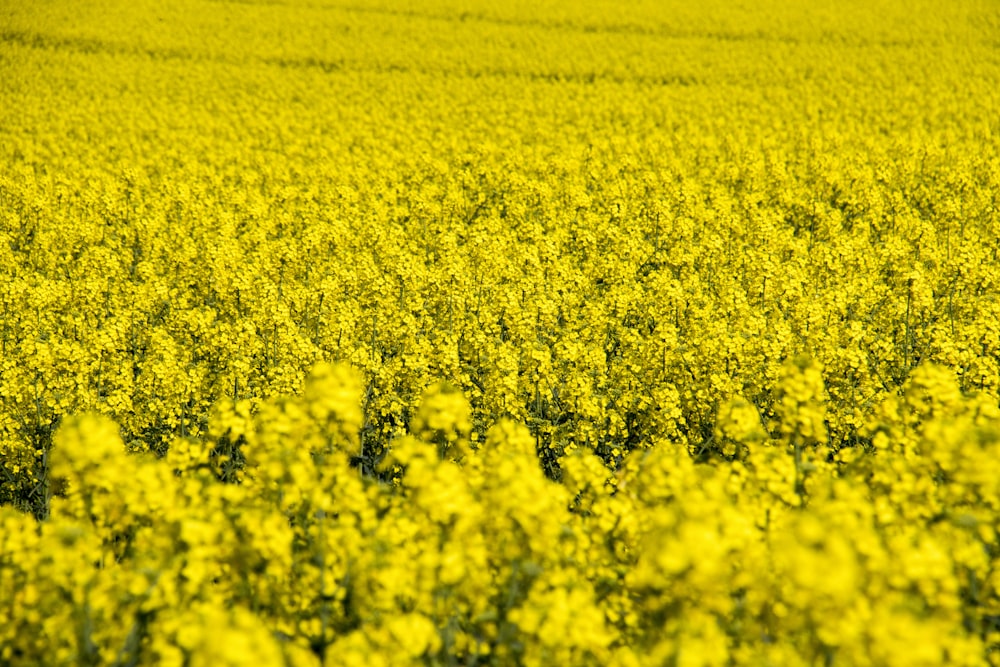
465,550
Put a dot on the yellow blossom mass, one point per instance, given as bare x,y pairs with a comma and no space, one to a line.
438,332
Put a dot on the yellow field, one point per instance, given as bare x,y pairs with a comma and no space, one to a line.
455,332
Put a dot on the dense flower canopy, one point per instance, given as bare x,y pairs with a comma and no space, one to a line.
524,333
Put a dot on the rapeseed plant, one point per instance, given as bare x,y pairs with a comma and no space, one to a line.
477,333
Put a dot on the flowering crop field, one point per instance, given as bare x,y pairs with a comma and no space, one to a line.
462,332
